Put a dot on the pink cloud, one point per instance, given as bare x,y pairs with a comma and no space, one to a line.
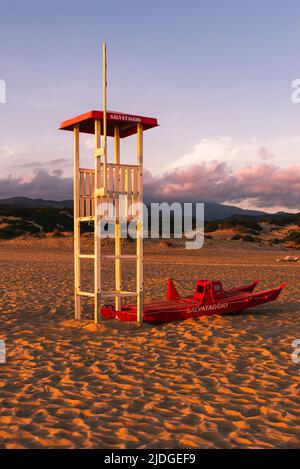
41,185
263,185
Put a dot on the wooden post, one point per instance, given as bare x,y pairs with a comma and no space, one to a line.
118,301
76,224
97,228
139,228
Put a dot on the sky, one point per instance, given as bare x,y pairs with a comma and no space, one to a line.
217,75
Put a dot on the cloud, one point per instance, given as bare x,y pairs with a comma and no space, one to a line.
43,164
41,185
240,153
9,151
32,164
61,161
262,185
221,149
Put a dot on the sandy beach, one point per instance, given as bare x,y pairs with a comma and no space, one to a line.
212,382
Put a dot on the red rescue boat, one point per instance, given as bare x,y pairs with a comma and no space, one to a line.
209,298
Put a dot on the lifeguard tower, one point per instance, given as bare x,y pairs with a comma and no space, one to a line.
108,183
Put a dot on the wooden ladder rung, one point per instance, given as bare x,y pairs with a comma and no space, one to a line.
86,256
86,218
84,293
121,256
118,294
106,219
114,193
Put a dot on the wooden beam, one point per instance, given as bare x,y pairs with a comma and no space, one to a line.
97,229
76,223
118,302
139,228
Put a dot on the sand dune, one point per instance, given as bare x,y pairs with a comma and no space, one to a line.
217,382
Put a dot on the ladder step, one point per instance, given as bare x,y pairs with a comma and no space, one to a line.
106,219
121,256
114,193
84,293
118,295
86,218
86,256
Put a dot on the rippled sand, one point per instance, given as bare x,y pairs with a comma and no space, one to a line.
217,382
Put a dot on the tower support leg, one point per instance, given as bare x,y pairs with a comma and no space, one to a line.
97,229
118,282
76,225
139,228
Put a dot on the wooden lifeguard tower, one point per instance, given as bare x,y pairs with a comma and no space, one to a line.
108,183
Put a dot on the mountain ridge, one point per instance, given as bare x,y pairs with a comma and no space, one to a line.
213,210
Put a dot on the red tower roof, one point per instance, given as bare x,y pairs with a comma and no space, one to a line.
126,122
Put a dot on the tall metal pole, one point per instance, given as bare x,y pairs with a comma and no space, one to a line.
104,116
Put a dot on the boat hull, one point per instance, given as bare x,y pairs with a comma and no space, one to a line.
183,308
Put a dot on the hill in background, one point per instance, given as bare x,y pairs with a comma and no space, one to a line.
21,216
213,211
36,203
